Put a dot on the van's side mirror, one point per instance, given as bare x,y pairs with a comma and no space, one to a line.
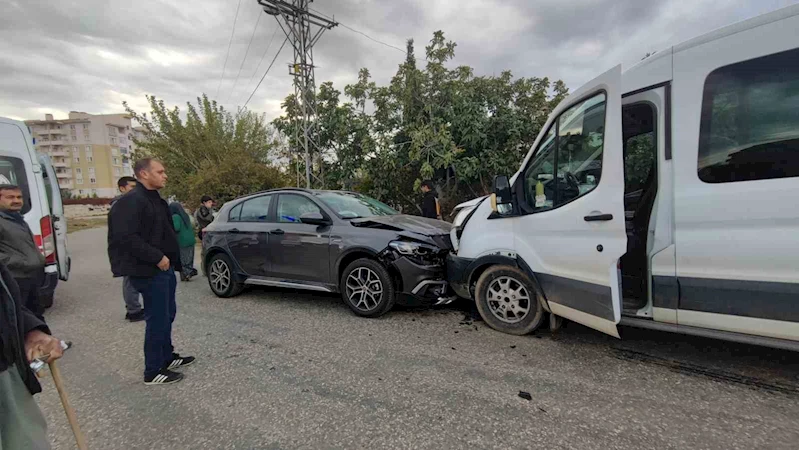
314,218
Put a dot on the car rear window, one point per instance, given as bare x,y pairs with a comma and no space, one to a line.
12,171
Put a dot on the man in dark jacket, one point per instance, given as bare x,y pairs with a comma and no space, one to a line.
430,206
23,337
130,295
18,251
204,214
142,245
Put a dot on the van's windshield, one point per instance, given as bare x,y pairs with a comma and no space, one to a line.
12,171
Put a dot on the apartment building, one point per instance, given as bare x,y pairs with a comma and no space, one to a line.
89,151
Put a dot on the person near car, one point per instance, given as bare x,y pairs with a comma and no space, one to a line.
18,251
204,214
23,338
134,310
430,205
185,231
143,246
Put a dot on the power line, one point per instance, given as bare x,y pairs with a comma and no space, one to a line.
267,70
254,29
266,50
362,33
232,32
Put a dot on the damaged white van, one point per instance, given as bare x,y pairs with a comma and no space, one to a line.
664,197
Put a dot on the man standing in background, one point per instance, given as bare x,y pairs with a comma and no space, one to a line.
18,251
430,206
135,313
142,246
204,214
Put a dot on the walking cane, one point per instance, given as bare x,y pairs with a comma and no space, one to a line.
37,365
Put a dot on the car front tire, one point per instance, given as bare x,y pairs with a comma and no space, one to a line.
507,300
221,277
367,288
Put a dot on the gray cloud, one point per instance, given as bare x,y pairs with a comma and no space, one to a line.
91,55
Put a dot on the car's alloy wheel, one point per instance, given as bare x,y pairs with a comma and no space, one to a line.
221,277
367,288
364,289
508,299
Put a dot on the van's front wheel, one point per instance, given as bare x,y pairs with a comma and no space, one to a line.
508,301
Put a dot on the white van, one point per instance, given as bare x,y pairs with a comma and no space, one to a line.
43,209
663,197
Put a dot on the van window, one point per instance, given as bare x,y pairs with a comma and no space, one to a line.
750,120
12,171
568,162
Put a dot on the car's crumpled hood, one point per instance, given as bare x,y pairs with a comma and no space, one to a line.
403,222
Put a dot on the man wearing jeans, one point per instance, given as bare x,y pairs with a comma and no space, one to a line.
135,313
142,246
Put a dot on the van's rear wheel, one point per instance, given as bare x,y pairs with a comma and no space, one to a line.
508,301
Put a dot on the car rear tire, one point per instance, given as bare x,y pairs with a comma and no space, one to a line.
221,277
507,300
367,288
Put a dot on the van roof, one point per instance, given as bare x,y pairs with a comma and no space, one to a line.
644,69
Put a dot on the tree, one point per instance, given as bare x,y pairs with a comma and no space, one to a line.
211,152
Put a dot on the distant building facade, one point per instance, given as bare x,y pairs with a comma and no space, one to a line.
89,151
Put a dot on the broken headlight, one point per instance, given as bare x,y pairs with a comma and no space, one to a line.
418,252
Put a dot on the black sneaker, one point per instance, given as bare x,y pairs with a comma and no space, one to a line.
135,317
163,377
180,361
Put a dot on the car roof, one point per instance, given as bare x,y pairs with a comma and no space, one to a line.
294,189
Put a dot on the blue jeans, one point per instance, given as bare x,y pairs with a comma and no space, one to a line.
160,308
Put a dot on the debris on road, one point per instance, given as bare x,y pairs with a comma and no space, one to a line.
525,395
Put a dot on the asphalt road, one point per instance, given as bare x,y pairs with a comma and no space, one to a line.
284,369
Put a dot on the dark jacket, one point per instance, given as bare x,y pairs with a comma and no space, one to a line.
429,208
140,234
18,252
204,216
15,322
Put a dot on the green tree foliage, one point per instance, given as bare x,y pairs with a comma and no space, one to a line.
432,121
211,152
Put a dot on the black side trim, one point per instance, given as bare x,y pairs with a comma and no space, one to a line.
758,299
665,292
647,88
589,298
668,120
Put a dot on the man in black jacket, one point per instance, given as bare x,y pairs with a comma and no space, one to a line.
142,246
430,208
23,337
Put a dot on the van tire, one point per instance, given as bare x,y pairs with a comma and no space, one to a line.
519,285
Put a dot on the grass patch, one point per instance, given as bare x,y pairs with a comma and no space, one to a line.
74,225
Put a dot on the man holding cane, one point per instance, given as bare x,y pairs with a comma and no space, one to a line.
23,338
142,246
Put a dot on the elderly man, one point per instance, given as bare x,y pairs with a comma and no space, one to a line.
18,251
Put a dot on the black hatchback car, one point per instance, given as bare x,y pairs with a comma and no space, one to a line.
330,241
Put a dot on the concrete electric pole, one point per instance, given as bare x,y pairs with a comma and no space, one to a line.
303,29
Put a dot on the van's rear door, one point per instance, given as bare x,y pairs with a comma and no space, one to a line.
57,214
571,194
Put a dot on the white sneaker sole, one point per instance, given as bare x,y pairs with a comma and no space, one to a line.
159,381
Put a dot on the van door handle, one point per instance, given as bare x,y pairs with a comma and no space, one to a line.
235,230
278,231
598,218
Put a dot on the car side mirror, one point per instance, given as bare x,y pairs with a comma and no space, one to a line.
502,198
314,218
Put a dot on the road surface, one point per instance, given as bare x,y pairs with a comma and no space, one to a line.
280,369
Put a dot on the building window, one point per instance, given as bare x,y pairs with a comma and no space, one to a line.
79,181
113,141
117,171
114,151
116,161
78,171
749,126
91,171
93,180
74,138
76,158
86,136
72,127
85,126
75,150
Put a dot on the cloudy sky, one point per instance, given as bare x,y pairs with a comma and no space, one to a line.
90,55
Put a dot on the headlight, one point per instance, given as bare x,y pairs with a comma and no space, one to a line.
462,215
409,248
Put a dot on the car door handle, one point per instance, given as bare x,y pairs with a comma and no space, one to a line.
278,231
598,218
235,230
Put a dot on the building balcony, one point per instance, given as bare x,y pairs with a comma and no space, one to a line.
63,175
59,152
62,184
64,163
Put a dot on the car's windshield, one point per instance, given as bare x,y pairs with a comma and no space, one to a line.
348,205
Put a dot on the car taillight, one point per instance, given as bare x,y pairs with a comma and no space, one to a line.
46,241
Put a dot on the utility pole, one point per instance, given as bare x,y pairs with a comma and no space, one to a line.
303,29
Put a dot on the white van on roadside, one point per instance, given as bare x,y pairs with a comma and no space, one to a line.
43,209
662,197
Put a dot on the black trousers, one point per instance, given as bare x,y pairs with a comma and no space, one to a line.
29,293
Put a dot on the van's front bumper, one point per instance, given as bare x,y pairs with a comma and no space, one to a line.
458,275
